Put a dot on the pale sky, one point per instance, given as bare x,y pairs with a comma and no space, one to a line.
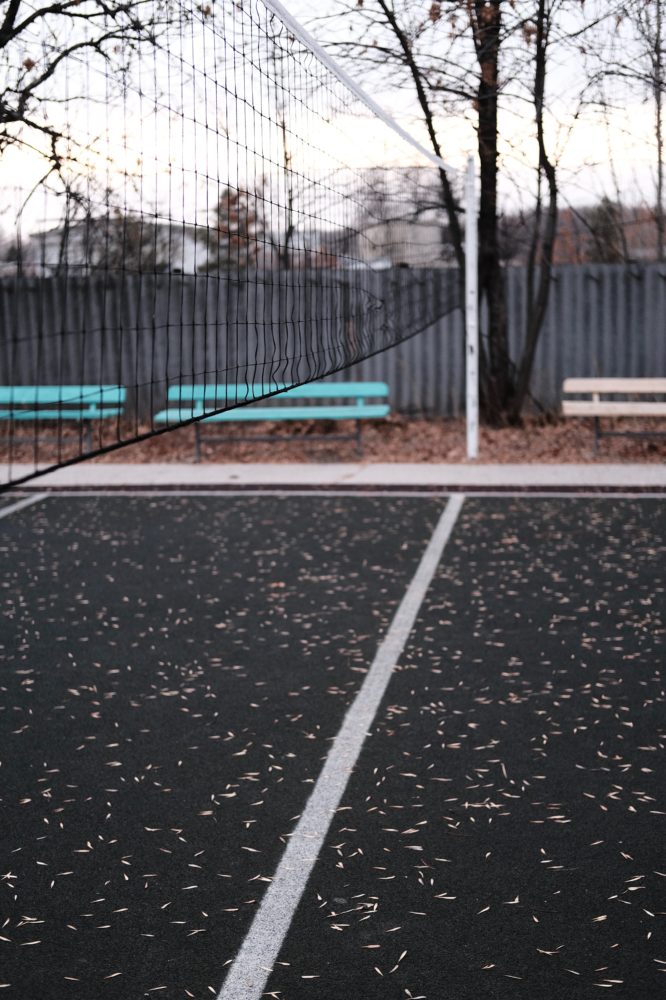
201,153
585,146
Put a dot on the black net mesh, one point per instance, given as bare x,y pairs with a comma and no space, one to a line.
192,198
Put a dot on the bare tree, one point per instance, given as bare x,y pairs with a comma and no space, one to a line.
648,19
460,54
472,58
49,53
120,242
540,257
282,241
497,376
632,62
607,244
236,236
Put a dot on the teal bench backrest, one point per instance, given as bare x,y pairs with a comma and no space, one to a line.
221,395
71,395
61,402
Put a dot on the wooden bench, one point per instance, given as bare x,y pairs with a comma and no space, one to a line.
82,404
597,407
315,401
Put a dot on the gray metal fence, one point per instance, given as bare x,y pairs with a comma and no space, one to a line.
602,320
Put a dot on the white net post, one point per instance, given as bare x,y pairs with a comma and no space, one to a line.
471,312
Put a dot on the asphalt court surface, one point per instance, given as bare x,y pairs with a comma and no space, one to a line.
176,669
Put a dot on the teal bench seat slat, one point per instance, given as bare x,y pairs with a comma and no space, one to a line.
92,413
323,401
254,412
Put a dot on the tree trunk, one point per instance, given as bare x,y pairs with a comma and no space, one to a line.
658,95
496,372
447,194
543,238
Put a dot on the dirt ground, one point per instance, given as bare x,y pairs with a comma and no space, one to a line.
401,439
396,439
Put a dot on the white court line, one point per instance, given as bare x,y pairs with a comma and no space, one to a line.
20,504
251,968
389,493
162,494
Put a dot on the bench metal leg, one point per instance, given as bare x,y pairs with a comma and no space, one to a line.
197,443
597,434
359,440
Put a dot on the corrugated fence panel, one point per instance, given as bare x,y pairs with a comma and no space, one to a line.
601,320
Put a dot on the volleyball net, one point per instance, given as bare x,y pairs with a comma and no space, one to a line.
196,195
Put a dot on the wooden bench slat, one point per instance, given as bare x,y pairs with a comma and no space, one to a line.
597,406
608,408
619,385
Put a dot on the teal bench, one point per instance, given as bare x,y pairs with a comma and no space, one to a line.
315,401
83,404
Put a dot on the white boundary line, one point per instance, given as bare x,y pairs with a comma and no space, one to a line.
20,504
311,43
252,966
